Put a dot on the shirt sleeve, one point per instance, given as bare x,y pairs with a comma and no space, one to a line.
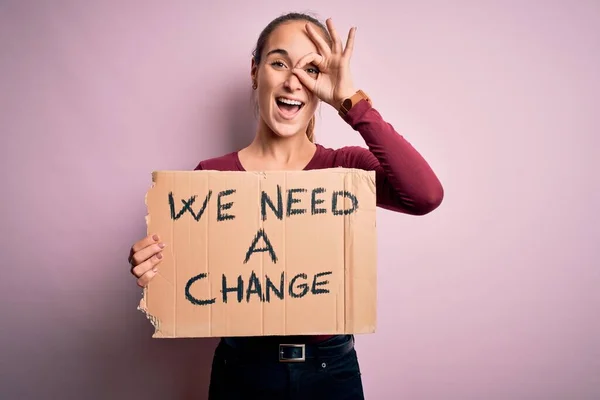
405,181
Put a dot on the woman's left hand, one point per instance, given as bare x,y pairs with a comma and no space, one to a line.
333,83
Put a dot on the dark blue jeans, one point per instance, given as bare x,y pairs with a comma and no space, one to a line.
331,374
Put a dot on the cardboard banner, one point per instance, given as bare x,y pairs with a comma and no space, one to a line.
263,253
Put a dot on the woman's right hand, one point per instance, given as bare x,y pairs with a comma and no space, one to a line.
144,258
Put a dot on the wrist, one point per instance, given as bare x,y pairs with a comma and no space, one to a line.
351,100
345,94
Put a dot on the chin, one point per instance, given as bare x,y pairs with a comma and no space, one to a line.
286,124
286,130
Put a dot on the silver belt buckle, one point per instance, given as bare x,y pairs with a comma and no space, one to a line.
292,359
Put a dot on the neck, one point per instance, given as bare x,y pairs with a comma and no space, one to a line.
281,150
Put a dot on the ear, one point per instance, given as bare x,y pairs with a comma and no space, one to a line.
253,70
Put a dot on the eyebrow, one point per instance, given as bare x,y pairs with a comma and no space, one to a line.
278,51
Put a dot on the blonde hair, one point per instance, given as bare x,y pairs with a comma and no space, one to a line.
310,129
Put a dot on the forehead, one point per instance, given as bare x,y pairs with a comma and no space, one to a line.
293,38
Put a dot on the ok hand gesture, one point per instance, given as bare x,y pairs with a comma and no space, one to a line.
333,83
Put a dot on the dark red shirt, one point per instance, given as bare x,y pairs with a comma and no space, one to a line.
405,182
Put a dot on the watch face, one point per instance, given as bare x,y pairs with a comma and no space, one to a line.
347,104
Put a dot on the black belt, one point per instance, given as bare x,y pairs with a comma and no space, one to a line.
294,352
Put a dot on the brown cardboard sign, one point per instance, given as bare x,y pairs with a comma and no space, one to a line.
263,253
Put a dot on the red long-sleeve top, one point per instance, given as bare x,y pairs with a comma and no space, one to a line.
405,182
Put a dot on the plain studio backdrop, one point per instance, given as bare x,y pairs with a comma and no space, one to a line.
493,296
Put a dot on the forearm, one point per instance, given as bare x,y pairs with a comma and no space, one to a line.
405,181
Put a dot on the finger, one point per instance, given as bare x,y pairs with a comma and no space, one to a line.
305,79
350,44
318,40
151,264
145,279
145,242
314,58
335,38
145,253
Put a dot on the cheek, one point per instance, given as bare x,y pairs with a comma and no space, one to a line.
264,98
314,104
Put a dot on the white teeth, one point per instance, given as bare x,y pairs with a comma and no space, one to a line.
290,102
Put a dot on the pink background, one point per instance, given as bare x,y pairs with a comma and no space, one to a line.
493,296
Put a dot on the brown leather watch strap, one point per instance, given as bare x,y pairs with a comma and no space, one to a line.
351,101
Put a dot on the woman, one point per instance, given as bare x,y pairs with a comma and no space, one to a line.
298,63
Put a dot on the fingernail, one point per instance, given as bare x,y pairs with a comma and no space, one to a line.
161,245
155,237
159,255
155,269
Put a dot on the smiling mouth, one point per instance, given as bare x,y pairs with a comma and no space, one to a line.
289,108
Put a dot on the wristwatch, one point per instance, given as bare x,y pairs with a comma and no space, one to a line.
351,101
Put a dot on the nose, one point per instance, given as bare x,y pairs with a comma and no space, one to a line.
292,82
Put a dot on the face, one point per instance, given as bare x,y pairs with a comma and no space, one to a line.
285,105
